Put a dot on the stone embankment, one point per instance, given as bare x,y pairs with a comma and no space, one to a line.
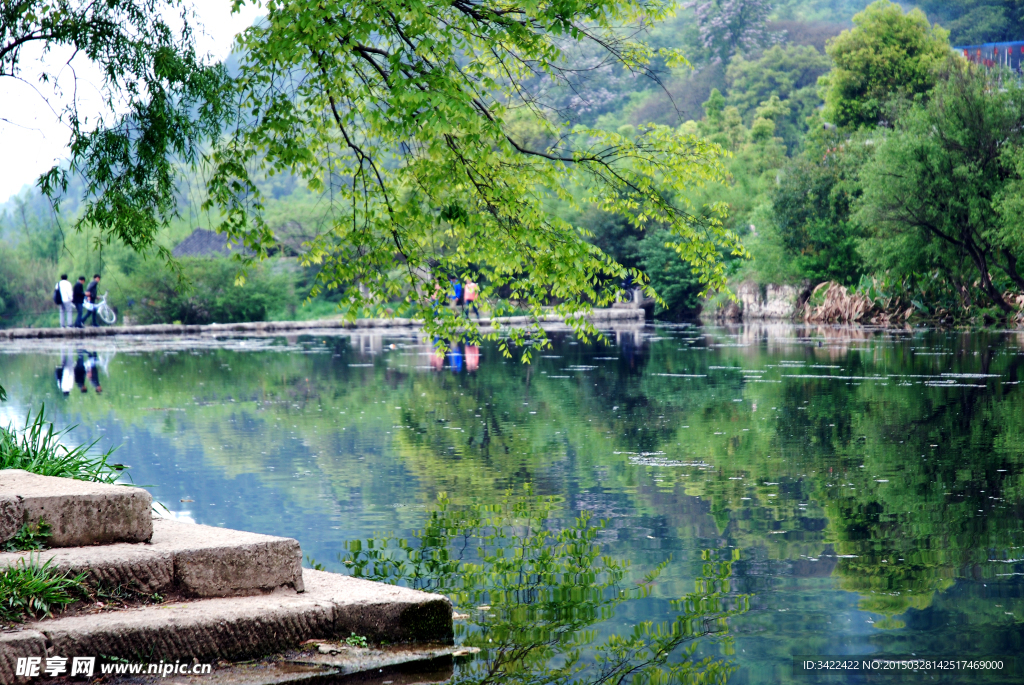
215,594
598,316
763,303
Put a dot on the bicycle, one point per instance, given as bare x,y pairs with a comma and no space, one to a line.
106,314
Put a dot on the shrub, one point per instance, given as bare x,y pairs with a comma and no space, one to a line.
26,287
673,278
210,294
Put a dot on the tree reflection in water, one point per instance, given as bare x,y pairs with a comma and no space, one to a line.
534,596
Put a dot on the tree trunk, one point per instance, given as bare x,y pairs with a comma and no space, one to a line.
1011,270
986,283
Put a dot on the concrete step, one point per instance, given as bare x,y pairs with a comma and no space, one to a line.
79,512
184,559
333,606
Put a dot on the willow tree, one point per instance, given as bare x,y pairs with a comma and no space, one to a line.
431,131
155,103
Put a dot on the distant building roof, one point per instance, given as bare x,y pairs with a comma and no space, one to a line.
204,243
1008,54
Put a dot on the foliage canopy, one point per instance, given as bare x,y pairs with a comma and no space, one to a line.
788,72
811,212
406,117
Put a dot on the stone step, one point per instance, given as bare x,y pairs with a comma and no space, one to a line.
333,606
183,559
79,512
417,664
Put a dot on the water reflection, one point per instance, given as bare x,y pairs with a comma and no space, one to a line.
78,366
872,481
459,356
532,594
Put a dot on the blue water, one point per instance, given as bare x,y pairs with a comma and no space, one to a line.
870,483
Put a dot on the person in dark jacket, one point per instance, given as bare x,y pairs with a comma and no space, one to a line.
78,298
91,293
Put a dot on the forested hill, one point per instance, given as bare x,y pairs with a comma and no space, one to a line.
807,187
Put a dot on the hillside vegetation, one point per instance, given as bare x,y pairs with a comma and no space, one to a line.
859,151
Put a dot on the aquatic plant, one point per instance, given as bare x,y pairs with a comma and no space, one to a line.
529,594
39,448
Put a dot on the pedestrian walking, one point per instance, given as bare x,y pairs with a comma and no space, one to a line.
472,290
93,297
456,296
62,296
78,298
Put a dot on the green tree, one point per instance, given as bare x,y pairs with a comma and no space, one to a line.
402,119
943,185
811,209
757,155
768,151
788,72
160,102
722,124
886,54
651,251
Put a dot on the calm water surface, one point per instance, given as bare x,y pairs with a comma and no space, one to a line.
871,483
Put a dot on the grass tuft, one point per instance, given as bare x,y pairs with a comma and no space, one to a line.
38,449
31,590
29,537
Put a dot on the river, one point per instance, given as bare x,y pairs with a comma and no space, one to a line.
865,486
